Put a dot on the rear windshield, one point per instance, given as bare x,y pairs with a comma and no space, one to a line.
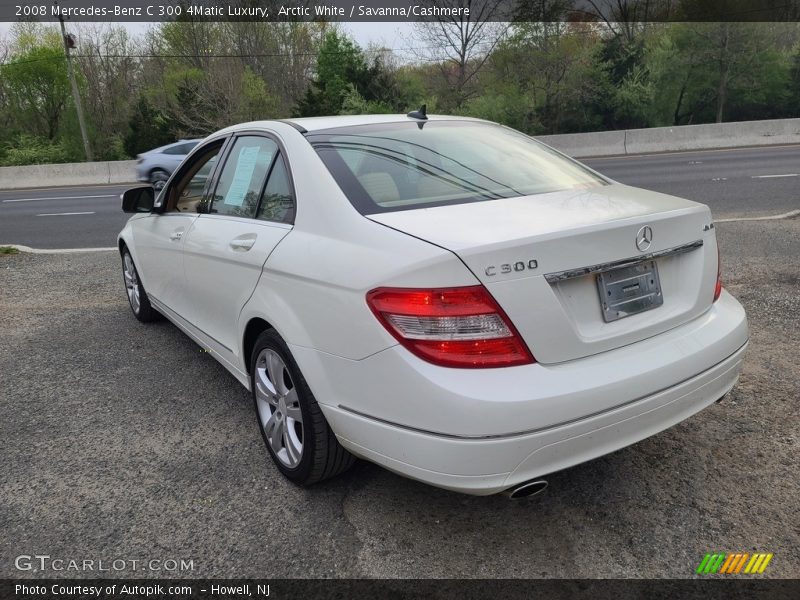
402,166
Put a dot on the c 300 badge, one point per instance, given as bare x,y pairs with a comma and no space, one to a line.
506,268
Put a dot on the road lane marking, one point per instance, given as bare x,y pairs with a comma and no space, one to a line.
22,248
64,214
60,198
786,215
71,187
773,176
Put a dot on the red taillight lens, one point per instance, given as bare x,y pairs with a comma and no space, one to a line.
718,285
451,327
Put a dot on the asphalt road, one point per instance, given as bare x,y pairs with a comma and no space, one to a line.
71,217
734,183
126,441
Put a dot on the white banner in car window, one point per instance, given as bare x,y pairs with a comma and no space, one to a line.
245,165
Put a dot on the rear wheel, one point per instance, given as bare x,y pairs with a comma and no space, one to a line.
137,297
294,430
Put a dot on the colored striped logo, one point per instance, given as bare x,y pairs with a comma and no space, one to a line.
734,563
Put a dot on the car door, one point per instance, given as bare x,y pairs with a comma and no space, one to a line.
159,236
251,210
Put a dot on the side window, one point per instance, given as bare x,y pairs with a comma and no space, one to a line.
177,149
186,195
243,176
277,202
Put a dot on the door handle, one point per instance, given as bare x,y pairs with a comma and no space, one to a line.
176,235
242,244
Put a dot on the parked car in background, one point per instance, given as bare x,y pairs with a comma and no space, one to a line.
155,166
443,296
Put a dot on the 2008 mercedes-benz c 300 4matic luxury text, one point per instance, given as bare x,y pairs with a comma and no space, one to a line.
443,296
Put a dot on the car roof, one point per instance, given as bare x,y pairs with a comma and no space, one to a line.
171,144
311,124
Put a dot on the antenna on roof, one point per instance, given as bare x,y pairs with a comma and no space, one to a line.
419,114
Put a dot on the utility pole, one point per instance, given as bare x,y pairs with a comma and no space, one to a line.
69,43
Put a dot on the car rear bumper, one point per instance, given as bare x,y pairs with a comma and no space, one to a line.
533,420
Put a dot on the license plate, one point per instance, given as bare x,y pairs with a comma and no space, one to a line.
629,290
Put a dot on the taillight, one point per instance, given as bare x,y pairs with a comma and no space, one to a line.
718,285
451,327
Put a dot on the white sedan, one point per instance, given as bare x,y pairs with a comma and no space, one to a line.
443,296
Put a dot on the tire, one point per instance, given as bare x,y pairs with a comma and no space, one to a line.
158,178
293,428
137,296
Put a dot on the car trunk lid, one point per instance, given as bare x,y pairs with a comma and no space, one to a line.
539,256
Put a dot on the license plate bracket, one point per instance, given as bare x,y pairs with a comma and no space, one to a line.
629,290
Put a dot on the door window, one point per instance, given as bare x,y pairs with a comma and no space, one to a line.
242,179
277,202
186,194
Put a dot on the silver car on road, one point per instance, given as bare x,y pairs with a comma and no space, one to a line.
155,166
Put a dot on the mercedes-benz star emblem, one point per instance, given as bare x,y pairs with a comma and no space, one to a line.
644,238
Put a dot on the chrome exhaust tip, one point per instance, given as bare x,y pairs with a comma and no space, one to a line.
526,490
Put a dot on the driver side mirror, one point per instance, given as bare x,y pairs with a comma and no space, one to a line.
138,199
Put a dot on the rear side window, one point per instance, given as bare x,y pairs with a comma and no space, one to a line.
242,179
180,149
277,201
402,166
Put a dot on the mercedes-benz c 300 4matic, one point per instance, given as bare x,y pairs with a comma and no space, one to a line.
443,296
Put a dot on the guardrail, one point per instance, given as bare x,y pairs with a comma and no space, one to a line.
580,145
739,134
93,173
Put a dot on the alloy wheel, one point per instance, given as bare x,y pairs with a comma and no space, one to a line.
279,408
159,180
131,282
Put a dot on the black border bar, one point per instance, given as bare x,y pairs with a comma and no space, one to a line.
601,11
707,587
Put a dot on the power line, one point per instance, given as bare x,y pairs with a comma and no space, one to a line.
208,55
380,50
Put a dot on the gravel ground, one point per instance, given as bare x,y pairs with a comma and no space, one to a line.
123,440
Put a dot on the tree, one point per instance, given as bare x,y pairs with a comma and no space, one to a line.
550,64
710,70
346,82
108,63
148,128
194,76
460,46
341,67
38,88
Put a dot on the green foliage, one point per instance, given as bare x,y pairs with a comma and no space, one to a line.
257,101
354,103
347,83
37,86
340,68
189,78
706,72
794,81
31,150
148,128
508,106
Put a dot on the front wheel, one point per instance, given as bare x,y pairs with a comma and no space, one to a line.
137,297
297,437
158,178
